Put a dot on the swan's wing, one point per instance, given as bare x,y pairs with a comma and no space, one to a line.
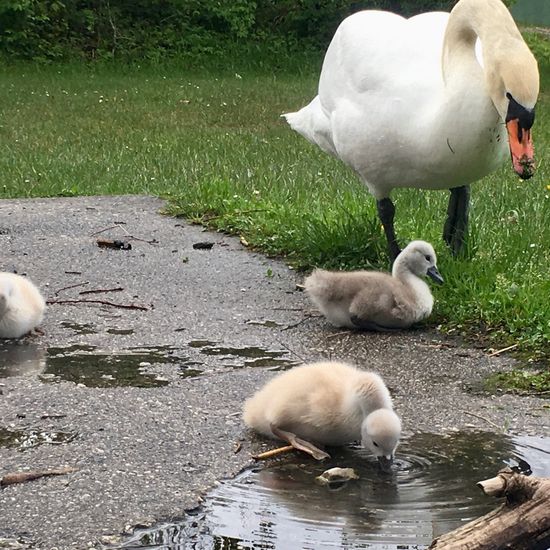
375,52
384,305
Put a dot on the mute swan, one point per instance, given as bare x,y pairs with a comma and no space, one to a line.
406,103
326,403
21,306
378,301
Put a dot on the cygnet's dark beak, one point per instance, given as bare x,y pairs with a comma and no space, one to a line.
432,273
385,463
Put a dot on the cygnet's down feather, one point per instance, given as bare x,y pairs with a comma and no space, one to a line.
374,300
21,305
326,403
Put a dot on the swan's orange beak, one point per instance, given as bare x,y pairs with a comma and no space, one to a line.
521,148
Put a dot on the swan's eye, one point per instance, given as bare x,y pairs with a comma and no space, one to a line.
375,444
428,258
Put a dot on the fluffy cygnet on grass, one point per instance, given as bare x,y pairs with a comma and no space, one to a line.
373,300
21,306
327,403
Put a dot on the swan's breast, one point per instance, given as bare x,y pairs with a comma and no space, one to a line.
392,118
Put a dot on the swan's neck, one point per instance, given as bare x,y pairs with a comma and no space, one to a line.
502,46
417,288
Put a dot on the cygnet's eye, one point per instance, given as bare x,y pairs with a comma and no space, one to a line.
428,258
375,444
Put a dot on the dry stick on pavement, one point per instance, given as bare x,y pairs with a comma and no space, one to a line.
104,302
71,286
22,477
98,290
273,452
128,234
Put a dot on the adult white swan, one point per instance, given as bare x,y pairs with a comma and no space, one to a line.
408,103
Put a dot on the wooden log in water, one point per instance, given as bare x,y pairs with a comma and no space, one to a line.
521,523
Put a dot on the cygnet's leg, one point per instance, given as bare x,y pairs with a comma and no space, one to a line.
456,224
386,213
299,443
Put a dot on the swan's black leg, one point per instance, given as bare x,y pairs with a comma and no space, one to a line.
456,224
386,212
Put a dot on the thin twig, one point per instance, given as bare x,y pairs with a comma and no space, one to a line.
498,352
483,418
71,286
103,230
98,290
294,325
341,333
291,351
128,234
273,452
104,302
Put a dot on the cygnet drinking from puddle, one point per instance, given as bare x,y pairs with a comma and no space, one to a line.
327,403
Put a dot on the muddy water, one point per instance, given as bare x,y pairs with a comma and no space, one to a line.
95,368
91,366
28,439
248,356
280,507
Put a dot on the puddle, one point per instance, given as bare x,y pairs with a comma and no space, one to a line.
86,365
80,328
432,491
24,440
248,356
21,359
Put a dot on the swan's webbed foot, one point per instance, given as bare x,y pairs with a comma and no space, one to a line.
456,225
299,443
386,213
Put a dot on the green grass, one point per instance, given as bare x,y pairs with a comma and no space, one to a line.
213,142
521,381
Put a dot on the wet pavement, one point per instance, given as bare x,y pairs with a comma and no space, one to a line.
145,400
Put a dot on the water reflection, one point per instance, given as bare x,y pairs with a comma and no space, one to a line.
280,506
21,359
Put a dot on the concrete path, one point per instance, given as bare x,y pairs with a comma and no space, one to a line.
217,323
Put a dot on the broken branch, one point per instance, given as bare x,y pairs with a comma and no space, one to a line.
521,523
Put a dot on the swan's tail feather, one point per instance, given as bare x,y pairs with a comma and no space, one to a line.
312,123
